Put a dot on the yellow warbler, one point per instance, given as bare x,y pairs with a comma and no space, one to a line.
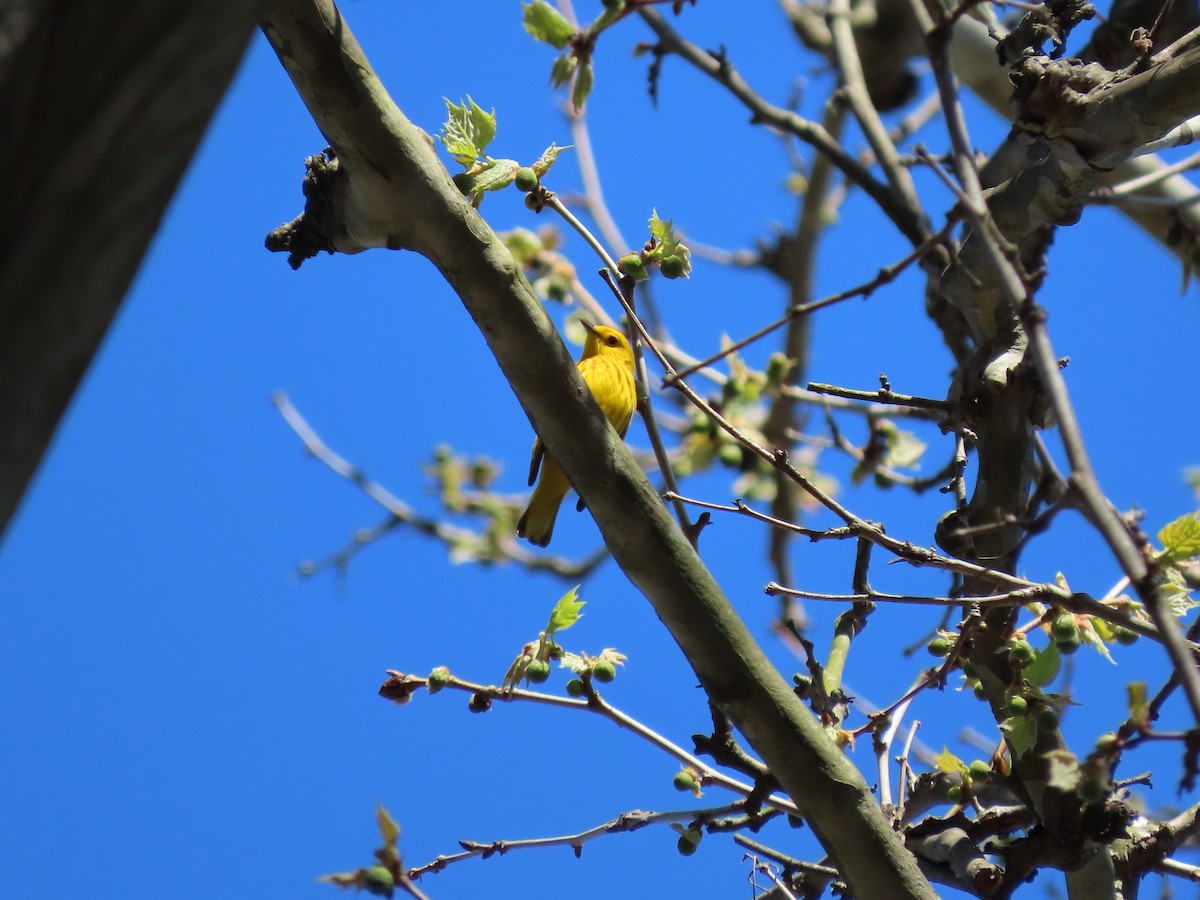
607,368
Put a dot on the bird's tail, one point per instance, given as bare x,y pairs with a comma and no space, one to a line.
537,523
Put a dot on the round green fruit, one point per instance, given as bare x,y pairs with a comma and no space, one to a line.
980,771
631,264
438,679
1064,628
526,179
938,647
1021,654
1125,635
684,780
378,880
575,688
603,671
689,841
537,671
1066,648
672,267
1017,705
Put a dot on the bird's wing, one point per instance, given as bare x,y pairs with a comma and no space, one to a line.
539,450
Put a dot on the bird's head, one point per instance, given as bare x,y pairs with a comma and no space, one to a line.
604,340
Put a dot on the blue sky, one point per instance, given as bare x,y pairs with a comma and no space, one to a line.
187,718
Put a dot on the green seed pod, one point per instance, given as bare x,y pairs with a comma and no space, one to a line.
938,647
731,455
1017,705
1124,635
672,267
378,880
684,780
438,679
1066,648
575,688
689,841
631,264
1064,628
603,671
1020,654
980,771
526,179
954,793
777,368
969,669
538,671
556,288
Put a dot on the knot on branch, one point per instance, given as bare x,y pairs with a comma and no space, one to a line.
1051,21
309,233
1053,95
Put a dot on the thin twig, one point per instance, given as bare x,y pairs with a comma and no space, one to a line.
594,703
884,276
720,69
401,513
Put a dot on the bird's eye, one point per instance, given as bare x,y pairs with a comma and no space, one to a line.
611,341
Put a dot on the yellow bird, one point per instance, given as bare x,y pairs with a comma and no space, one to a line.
607,368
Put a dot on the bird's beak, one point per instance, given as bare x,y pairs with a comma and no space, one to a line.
587,326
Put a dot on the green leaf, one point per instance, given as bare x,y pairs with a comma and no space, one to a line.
388,828
547,24
1046,663
904,449
562,70
585,77
546,160
1139,703
667,243
495,175
612,655
1181,538
1092,637
574,662
1177,594
467,130
950,764
1062,771
659,228
1021,732
566,611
